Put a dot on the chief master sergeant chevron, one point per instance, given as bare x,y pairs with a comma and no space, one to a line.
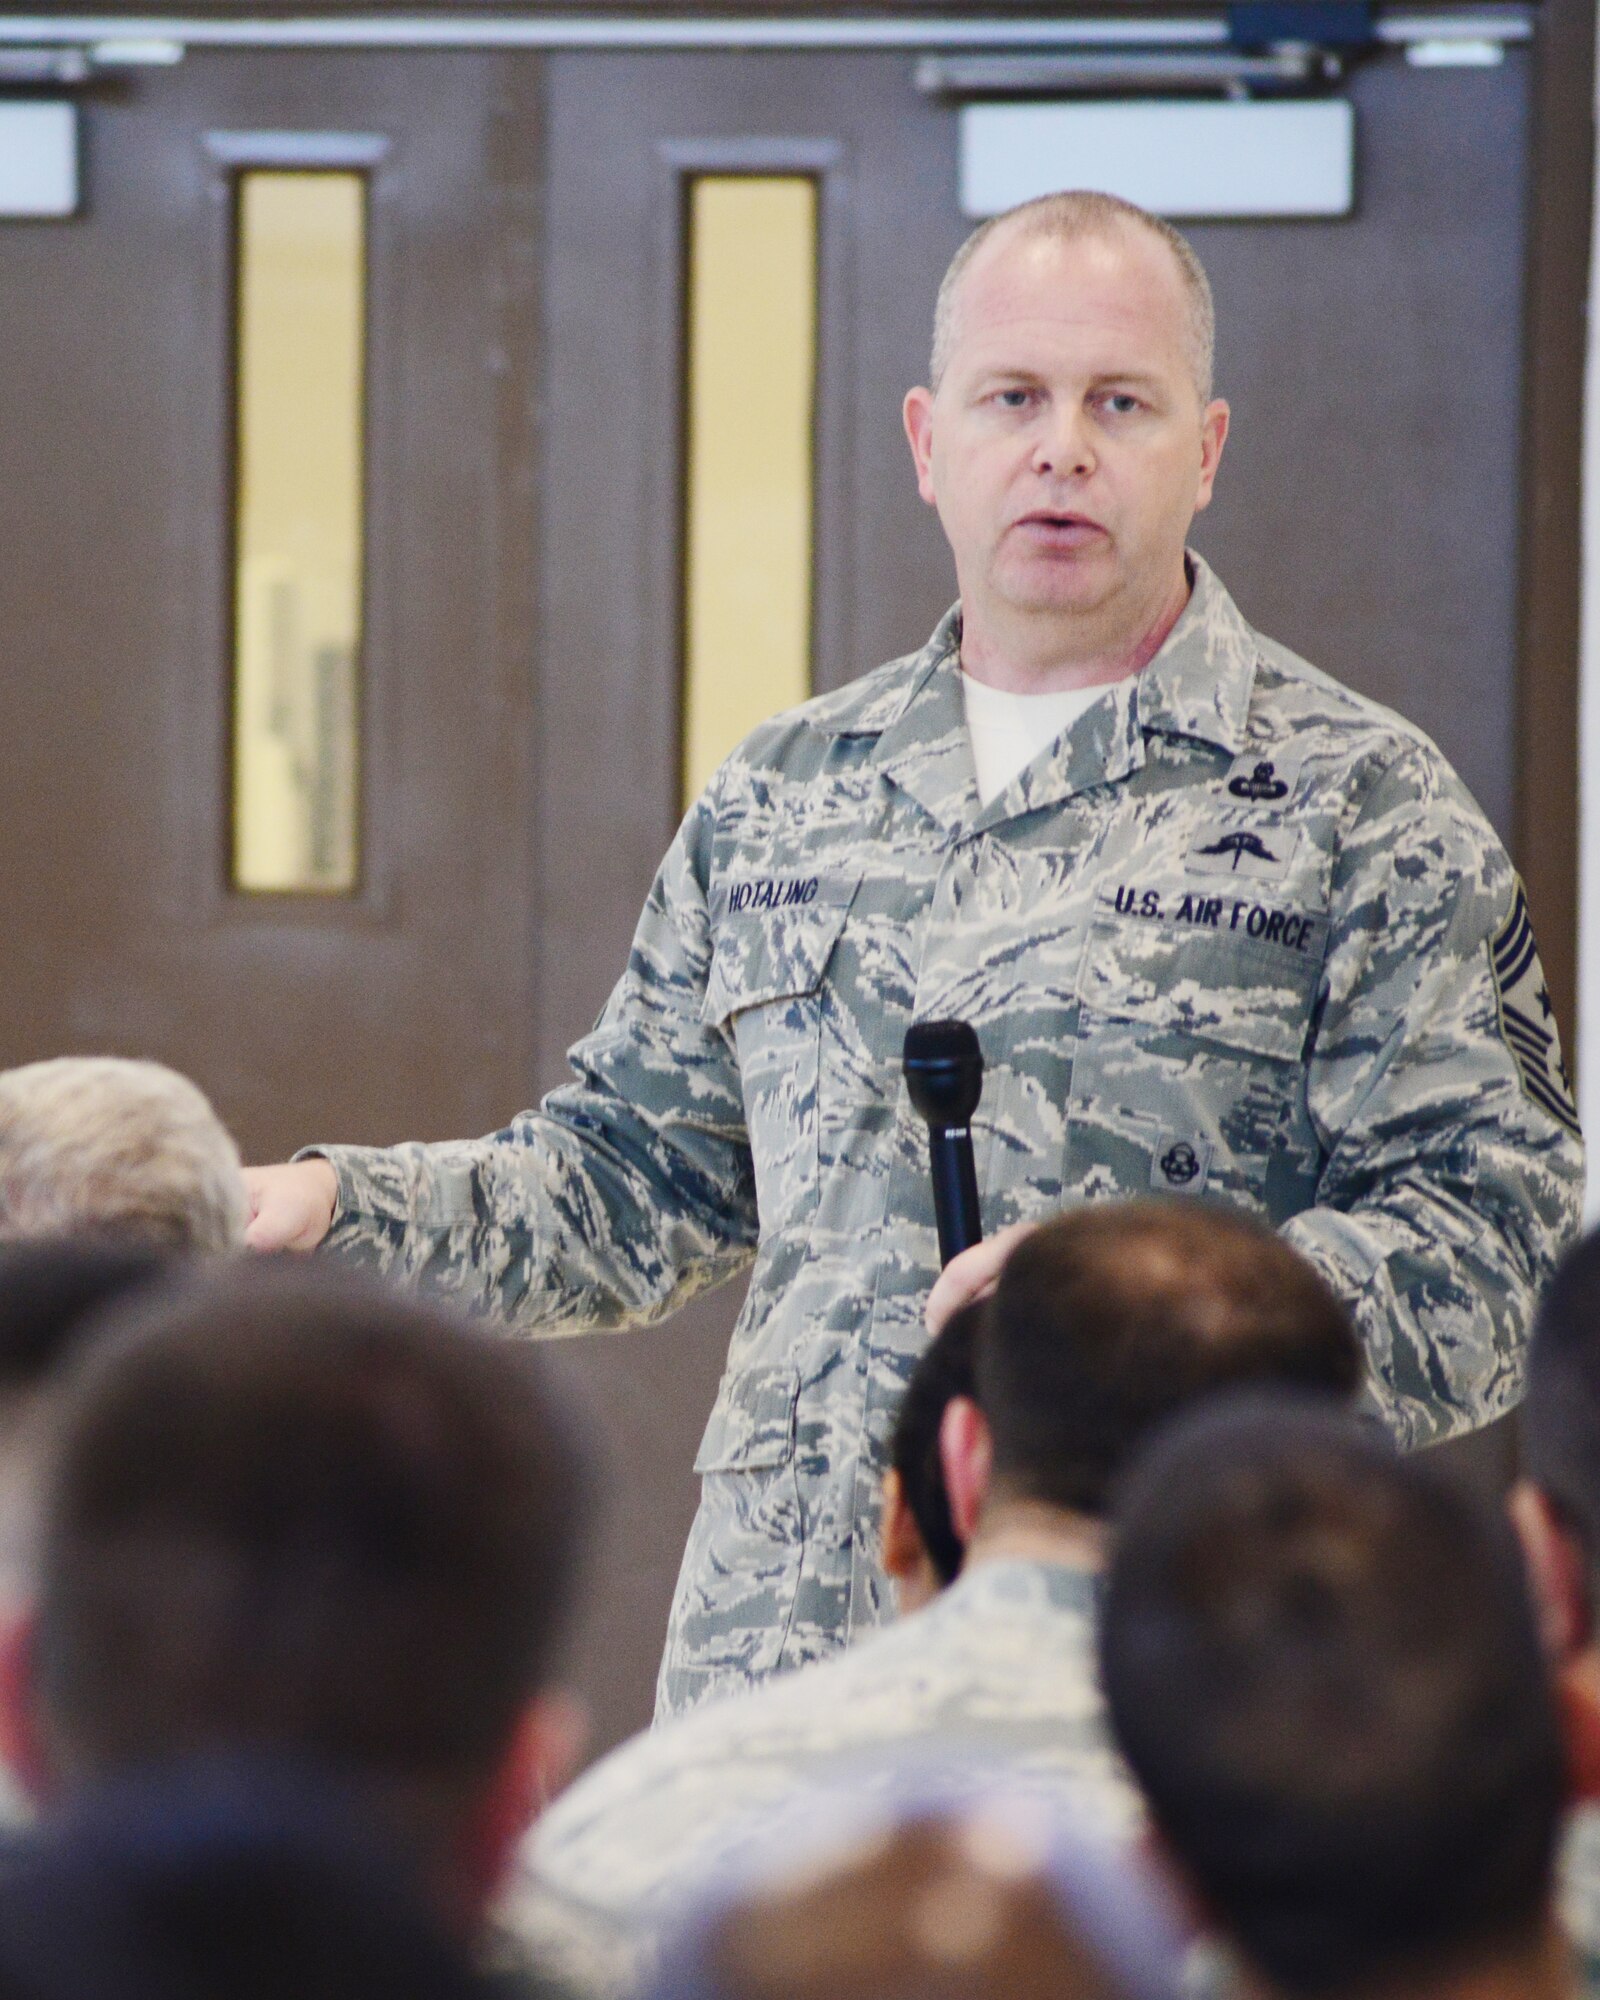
1222,926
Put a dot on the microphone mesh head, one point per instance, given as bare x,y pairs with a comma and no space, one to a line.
944,1071
942,1042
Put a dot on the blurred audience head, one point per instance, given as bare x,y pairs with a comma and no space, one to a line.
986,1898
1107,1321
50,1292
104,1146
1362,1780
921,1549
1558,1505
236,1877
287,1511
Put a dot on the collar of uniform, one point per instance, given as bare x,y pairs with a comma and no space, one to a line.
1104,745
1199,684
1068,1583
925,747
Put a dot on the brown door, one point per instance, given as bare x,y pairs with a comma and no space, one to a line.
408,1006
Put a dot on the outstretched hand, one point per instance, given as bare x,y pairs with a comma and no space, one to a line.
291,1208
972,1275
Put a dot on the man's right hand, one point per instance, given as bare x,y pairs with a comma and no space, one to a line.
291,1208
972,1275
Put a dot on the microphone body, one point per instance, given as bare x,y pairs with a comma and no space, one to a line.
944,1076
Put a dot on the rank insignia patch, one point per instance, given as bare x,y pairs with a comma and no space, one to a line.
1527,1020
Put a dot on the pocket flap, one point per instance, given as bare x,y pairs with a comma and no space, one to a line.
1224,988
774,949
752,1423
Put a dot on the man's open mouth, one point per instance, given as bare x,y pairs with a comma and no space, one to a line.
1070,530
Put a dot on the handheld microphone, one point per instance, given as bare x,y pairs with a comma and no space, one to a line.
944,1074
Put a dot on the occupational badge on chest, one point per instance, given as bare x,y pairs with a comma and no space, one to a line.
1262,853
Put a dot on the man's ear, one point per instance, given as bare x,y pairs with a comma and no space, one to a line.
1558,1571
22,1744
917,414
966,1457
902,1545
540,1759
1213,436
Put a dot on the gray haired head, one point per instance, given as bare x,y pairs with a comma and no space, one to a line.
1075,213
104,1146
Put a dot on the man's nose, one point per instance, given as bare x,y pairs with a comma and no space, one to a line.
1064,446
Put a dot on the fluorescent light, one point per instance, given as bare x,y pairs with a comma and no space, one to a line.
38,160
1176,159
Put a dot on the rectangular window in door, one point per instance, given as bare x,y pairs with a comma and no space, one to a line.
750,387
299,385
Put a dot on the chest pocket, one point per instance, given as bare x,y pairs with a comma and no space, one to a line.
1189,1071
769,962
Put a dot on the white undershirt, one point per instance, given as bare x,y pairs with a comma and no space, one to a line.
1009,730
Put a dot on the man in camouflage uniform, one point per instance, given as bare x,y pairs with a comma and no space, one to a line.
1234,931
1131,1311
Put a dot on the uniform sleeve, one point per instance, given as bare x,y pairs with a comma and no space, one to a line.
626,1192
1454,1167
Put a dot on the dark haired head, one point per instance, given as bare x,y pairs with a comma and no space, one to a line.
943,1372
1112,1317
236,1877
51,1293
1560,1420
293,1511
49,1288
1363,1777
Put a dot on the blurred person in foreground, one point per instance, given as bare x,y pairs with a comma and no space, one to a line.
50,1292
1323,1665
1556,1506
294,1517
233,1879
103,1146
1104,1322
109,1169
938,1893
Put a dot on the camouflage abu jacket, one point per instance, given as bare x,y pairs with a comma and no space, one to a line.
1238,933
998,1674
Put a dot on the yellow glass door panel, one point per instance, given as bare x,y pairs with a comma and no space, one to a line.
750,470
299,385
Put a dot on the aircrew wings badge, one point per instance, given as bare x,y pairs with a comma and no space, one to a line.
1527,1019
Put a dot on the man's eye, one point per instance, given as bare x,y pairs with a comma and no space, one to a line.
1121,404
1014,399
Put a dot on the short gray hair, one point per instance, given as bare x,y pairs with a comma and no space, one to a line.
104,1146
1086,212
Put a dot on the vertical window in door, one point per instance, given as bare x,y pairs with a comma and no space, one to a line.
299,387
750,384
